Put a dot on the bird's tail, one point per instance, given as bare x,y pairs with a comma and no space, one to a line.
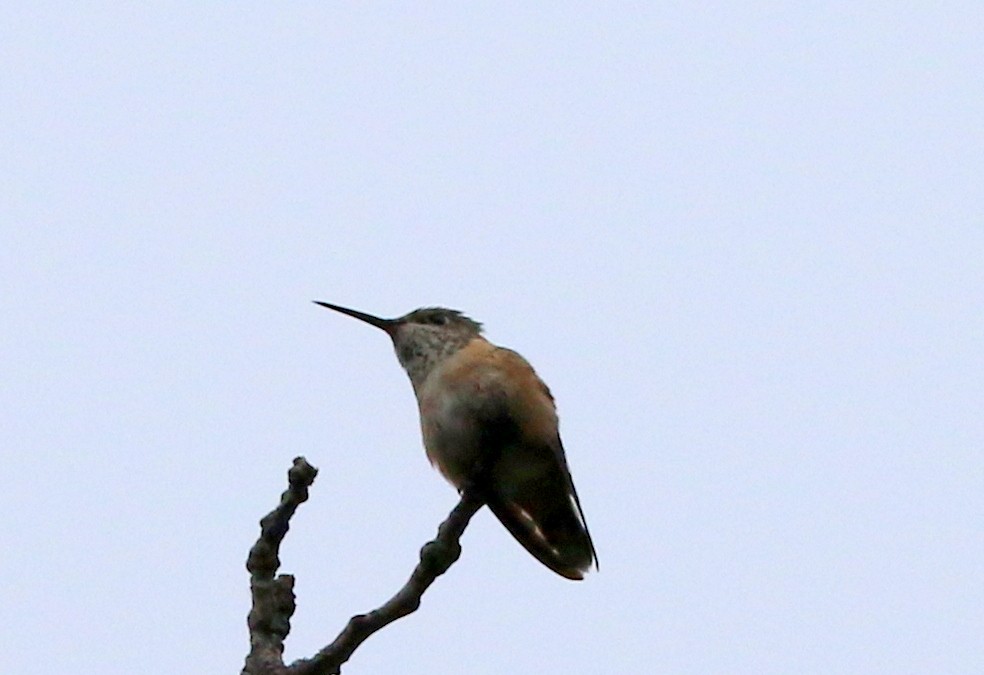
544,514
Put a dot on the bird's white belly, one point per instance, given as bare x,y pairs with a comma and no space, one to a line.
451,423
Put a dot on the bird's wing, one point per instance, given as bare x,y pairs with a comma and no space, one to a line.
531,489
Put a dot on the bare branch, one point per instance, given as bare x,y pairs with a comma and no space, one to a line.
273,598
435,558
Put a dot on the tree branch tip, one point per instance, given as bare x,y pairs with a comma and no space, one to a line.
301,474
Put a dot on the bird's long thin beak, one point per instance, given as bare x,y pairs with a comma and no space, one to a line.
388,325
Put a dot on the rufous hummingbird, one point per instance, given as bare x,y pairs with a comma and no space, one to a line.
488,419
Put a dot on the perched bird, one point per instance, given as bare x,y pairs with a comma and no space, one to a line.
487,419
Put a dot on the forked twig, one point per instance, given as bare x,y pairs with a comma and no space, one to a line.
273,597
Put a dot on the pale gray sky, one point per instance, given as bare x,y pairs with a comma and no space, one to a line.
743,244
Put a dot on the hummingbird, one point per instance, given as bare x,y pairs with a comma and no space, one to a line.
489,421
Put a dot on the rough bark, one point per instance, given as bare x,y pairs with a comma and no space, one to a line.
273,594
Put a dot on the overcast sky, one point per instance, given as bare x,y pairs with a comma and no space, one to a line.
742,242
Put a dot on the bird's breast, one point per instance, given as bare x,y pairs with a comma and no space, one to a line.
483,399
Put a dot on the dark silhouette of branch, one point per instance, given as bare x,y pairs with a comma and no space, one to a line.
273,598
